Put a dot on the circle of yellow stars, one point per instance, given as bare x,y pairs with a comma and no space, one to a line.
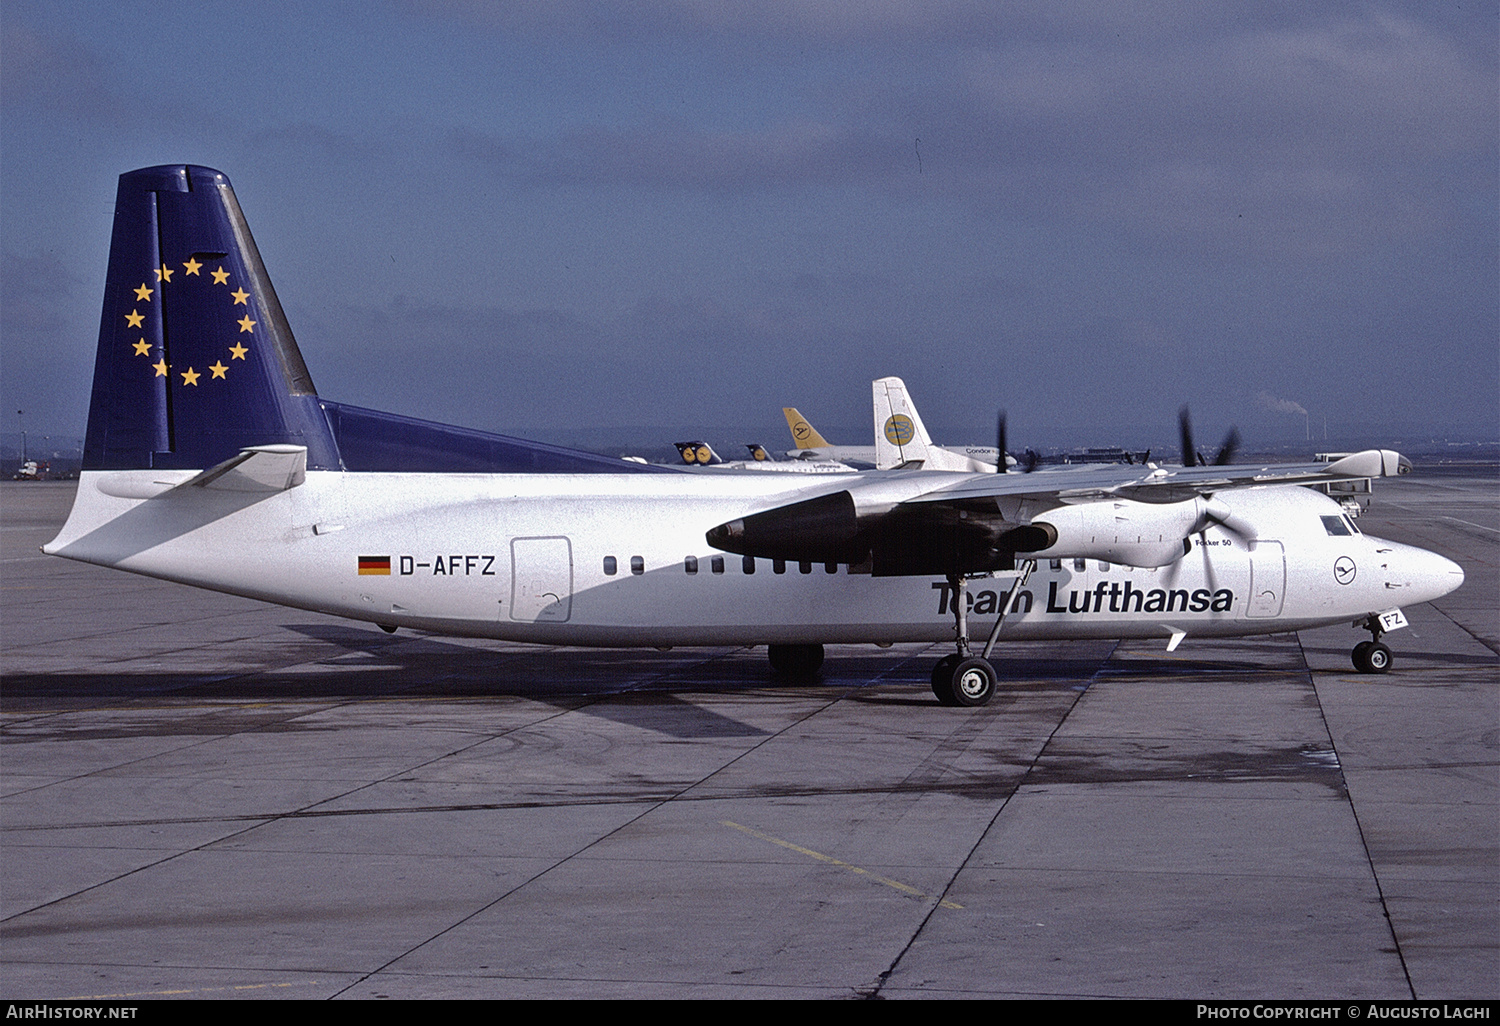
191,268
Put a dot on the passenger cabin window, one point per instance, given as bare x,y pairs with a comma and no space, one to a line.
1080,565
748,564
778,566
716,564
1335,526
1055,564
690,564
610,566
637,565
804,568
830,568
1103,566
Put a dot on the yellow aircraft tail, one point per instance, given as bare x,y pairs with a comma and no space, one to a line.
804,434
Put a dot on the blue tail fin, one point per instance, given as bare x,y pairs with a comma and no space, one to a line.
196,360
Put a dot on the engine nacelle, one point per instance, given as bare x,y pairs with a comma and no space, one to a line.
1123,531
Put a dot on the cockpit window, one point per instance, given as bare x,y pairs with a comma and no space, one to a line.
1335,526
1352,526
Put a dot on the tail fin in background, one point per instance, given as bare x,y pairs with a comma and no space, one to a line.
697,454
900,438
803,434
196,360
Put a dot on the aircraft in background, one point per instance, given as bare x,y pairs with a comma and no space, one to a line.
898,428
701,454
811,445
902,441
211,460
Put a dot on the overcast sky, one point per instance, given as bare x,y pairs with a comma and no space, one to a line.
533,217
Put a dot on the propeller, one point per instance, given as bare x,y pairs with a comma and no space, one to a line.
1191,457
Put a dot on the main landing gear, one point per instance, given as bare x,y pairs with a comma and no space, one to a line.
1371,656
796,662
963,679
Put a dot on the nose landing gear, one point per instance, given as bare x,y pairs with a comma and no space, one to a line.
1371,656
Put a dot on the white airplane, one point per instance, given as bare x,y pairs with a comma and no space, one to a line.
210,460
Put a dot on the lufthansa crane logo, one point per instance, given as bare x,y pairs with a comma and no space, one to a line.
899,429
1344,570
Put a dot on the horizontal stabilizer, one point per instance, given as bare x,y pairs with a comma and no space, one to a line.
264,468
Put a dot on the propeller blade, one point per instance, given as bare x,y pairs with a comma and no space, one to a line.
1228,449
1185,430
1000,444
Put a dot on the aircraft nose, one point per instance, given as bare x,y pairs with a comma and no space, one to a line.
1430,575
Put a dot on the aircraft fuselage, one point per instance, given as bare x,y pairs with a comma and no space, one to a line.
617,560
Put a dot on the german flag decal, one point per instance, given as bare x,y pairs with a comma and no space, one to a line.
379,565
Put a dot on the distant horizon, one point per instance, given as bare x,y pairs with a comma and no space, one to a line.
656,443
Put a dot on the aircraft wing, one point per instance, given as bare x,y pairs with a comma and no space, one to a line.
921,522
1086,483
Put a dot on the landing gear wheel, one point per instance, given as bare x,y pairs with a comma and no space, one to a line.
796,662
1372,657
974,682
942,680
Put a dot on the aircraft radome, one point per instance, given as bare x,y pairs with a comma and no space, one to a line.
211,460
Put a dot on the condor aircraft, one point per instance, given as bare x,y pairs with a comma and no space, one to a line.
211,460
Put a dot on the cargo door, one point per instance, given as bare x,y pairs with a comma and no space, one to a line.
1267,580
541,580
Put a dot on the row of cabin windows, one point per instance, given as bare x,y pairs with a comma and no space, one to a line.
715,565
778,566
1079,565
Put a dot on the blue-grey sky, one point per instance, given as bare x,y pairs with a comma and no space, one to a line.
533,217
